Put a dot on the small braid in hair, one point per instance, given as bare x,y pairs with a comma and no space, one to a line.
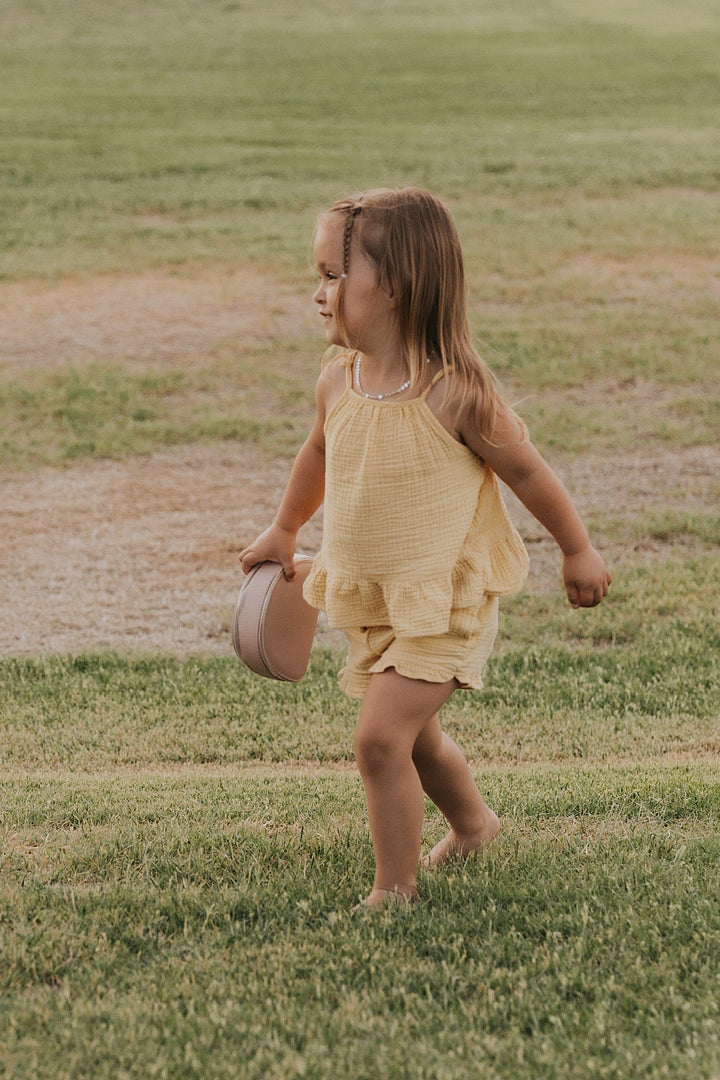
347,237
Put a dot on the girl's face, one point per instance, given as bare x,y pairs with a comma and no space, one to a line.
368,311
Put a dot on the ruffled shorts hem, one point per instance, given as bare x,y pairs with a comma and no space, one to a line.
437,659
356,686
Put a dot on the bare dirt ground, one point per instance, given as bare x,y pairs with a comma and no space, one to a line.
148,318
142,554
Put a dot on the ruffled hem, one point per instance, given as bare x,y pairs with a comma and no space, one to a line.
509,565
441,673
499,570
412,608
355,686
494,549
419,608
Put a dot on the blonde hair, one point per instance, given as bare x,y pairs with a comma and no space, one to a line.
411,239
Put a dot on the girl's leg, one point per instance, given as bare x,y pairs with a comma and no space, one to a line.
394,712
447,780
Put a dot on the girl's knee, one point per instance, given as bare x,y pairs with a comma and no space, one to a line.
396,714
381,744
375,749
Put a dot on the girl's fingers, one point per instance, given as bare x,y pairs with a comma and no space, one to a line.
586,596
247,560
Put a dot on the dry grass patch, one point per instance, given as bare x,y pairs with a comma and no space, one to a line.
146,321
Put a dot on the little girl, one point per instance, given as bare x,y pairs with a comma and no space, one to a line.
409,438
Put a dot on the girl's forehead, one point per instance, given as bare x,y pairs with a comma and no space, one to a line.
328,239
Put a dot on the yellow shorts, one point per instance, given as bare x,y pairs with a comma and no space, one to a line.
459,654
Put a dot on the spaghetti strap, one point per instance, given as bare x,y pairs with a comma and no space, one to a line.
435,379
347,362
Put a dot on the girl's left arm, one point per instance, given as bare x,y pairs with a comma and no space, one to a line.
539,488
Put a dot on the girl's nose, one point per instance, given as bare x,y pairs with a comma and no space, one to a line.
319,293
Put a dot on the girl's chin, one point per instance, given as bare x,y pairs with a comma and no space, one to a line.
333,338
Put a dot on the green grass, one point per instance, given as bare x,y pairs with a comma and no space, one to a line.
55,415
181,844
103,411
199,927
142,135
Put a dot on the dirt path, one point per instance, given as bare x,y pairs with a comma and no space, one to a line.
153,318
139,554
142,554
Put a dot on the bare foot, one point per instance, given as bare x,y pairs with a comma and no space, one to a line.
455,846
385,898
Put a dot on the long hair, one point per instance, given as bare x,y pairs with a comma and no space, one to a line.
411,239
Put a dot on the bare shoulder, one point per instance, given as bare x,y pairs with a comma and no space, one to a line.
465,414
450,406
331,382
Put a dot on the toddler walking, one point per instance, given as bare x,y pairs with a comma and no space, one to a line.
410,435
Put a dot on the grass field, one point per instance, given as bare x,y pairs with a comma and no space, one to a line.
180,843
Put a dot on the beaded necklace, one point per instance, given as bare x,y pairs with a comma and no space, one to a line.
378,397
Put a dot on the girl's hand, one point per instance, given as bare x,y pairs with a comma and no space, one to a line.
273,545
587,578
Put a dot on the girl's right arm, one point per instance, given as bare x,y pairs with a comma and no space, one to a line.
303,495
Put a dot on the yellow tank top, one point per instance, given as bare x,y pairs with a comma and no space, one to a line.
415,525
